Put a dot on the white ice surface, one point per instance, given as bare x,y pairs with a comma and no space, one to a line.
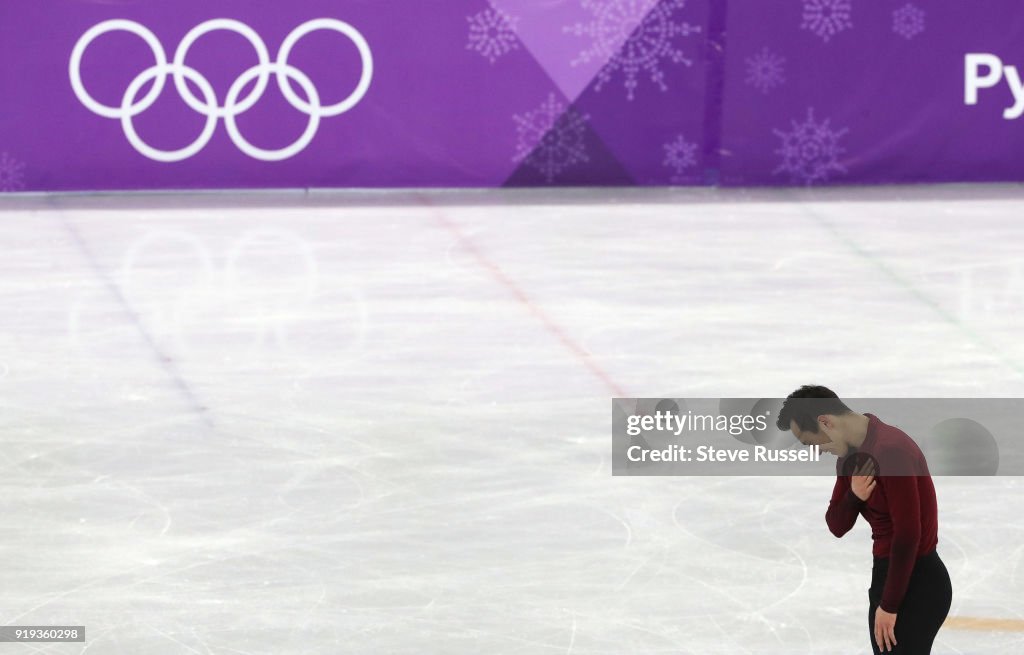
379,423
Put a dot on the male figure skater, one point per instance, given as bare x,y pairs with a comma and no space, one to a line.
910,591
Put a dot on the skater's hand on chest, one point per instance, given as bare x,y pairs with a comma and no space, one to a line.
863,486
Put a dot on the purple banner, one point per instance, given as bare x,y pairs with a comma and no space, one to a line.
869,92
486,93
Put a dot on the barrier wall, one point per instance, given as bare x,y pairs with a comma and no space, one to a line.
162,94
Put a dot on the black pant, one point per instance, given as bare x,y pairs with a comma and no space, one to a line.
924,607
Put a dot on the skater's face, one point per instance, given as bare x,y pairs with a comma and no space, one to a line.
826,437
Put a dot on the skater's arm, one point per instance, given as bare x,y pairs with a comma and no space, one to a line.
843,508
905,509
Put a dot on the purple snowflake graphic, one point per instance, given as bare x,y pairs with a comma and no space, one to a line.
810,150
908,21
491,33
12,174
616,37
826,18
680,155
550,139
766,70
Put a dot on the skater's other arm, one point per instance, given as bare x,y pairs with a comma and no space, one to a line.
905,509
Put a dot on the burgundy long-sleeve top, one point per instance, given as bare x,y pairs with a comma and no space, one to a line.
902,510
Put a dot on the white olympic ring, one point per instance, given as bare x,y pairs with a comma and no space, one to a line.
208,106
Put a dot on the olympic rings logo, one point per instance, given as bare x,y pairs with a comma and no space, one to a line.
208,106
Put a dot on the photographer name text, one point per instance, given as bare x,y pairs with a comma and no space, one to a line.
701,454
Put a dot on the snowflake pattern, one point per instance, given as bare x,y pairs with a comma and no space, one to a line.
12,174
680,155
550,139
826,18
810,151
908,21
766,70
632,39
492,34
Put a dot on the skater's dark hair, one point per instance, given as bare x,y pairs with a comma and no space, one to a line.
806,404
